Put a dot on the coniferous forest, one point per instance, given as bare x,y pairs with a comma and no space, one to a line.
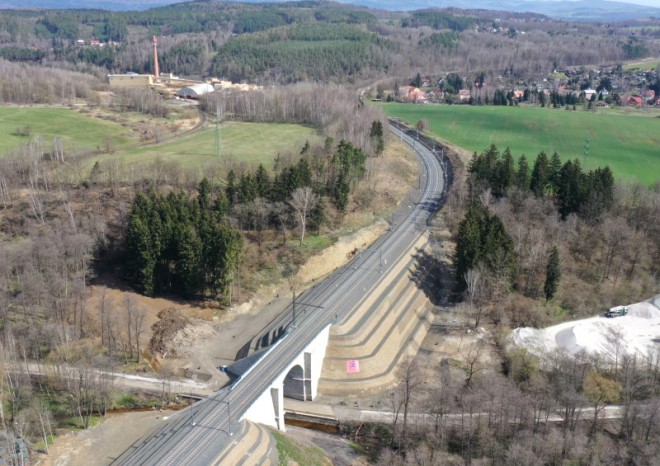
176,245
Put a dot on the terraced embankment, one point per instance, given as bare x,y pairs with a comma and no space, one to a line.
254,445
384,330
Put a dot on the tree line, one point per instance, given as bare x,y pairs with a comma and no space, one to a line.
588,194
544,409
311,42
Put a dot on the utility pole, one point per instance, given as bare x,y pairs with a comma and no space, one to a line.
586,151
293,309
218,141
192,411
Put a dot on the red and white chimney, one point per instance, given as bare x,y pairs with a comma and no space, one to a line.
156,70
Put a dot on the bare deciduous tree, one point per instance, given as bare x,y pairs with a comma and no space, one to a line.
303,200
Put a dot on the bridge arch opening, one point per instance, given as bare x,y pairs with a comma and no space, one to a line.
294,383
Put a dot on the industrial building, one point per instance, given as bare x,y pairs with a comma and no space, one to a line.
167,83
132,80
196,91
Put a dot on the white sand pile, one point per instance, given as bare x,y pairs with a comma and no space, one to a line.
637,332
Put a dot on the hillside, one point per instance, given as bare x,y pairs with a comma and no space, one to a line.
581,10
316,41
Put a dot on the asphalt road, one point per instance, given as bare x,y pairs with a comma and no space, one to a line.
197,435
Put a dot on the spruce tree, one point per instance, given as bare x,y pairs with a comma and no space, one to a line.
140,257
505,173
555,172
552,274
317,217
468,242
417,82
342,188
522,174
262,181
571,189
204,194
377,138
231,190
188,265
540,174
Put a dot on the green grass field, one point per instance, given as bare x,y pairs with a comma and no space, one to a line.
79,131
252,143
629,144
642,65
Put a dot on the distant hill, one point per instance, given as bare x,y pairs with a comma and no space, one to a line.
87,4
580,10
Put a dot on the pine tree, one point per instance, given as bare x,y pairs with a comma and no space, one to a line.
552,274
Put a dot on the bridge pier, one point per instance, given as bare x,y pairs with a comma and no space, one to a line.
277,395
299,380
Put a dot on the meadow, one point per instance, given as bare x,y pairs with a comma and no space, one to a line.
80,132
642,65
629,144
252,143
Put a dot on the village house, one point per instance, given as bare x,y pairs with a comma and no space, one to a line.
464,95
648,95
411,94
635,100
589,93
403,91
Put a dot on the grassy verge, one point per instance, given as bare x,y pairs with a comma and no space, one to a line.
629,144
19,124
290,453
